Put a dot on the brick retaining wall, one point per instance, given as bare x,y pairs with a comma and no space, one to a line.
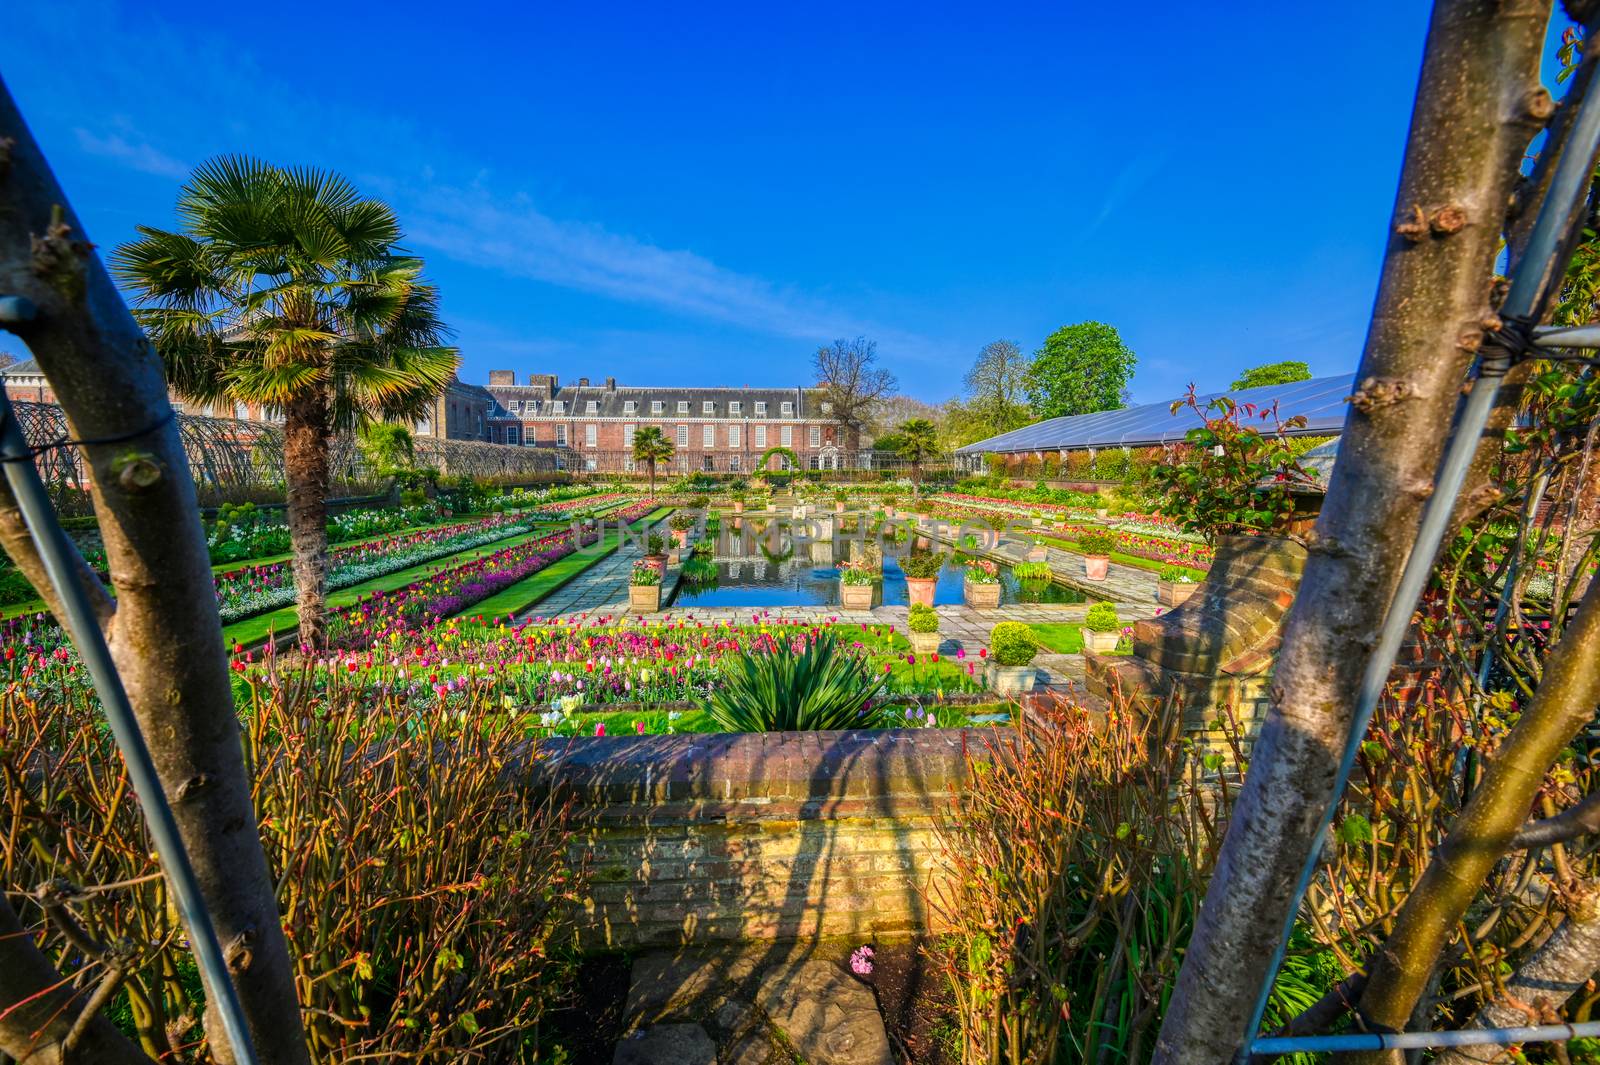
787,835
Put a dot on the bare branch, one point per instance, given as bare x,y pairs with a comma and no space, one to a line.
1582,819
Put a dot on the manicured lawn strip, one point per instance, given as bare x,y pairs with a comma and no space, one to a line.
252,630
1061,637
529,591
656,722
1127,560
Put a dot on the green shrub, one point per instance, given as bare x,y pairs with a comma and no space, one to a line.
1102,618
644,575
1096,543
1012,643
800,684
413,497
682,522
922,565
1031,571
923,619
655,544
699,502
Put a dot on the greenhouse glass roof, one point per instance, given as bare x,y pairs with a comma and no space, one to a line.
1321,401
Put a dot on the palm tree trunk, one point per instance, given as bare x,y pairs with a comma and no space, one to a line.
652,476
305,467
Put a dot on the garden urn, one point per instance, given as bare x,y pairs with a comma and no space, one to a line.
920,590
1095,567
981,596
1175,593
1010,680
1100,642
644,598
925,643
855,596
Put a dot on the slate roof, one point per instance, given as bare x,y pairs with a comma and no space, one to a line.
1320,400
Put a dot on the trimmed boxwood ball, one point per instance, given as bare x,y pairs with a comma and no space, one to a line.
1012,643
923,618
1102,618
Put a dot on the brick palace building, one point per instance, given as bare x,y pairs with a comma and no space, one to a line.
721,430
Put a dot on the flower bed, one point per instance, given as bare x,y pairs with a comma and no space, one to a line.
253,589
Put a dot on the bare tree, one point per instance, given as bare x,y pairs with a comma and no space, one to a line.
997,386
1478,105
852,384
162,628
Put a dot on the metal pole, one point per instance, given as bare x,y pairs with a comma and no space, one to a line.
55,553
1466,1037
1568,187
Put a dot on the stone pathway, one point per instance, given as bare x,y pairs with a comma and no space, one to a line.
771,1004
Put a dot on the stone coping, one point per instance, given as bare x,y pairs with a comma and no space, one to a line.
761,775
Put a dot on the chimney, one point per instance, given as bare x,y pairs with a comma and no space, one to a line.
611,384
498,378
583,382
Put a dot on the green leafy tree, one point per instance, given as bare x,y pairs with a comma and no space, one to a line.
388,448
288,289
919,441
1273,373
650,446
1080,369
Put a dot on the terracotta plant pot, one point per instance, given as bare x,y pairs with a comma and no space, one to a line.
888,512
644,598
855,596
1095,567
838,508
1100,642
925,643
738,507
680,536
920,589
981,596
1175,593
1010,680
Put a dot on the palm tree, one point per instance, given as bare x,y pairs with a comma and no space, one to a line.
287,288
650,446
918,442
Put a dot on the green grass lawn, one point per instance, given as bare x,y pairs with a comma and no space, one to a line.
1060,637
627,722
527,592
1126,560
253,630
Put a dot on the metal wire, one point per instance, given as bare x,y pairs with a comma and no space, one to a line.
55,553
1568,187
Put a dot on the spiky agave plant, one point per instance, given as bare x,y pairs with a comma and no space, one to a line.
801,684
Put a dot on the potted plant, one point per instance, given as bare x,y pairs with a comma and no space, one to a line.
855,587
738,502
1101,629
981,584
1008,669
1096,548
839,501
922,575
924,627
1038,550
655,552
681,524
1174,585
644,589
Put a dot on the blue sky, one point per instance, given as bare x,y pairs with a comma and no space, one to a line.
704,193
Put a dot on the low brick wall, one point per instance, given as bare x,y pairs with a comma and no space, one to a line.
765,836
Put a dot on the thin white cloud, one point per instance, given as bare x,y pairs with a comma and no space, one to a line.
136,156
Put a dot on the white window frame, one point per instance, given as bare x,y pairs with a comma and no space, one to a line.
733,436
761,408
630,407
593,407
708,407
561,436
760,439
787,409
733,463
591,435
627,435
735,408
683,406
558,406
708,435
657,406
683,436
815,436
786,436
